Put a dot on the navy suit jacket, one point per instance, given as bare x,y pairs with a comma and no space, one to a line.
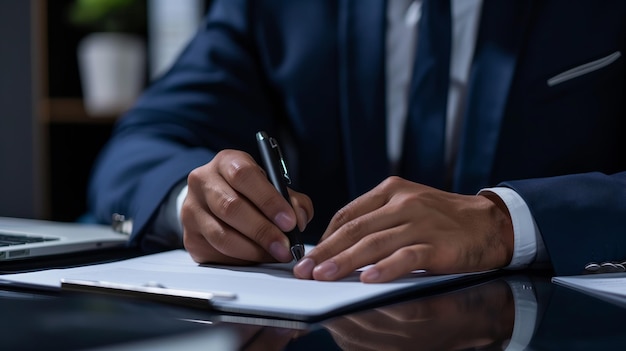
312,74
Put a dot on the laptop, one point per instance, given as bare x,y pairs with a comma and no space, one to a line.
30,238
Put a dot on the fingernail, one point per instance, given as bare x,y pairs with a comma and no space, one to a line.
370,275
326,270
280,252
283,221
304,268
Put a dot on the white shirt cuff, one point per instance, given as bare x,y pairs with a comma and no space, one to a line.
525,231
179,205
168,217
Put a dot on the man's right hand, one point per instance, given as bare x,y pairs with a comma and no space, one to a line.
232,213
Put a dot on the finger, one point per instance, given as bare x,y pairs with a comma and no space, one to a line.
360,242
195,231
201,252
370,249
210,240
303,206
249,179
401,262
359,207
248,225
239,213
372,217
230,243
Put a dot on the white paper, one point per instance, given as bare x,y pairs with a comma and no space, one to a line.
609,286
267,290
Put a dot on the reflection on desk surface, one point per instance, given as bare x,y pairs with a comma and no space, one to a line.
515,313
480,316
510,313
33,321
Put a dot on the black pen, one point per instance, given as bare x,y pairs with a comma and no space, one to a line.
276,170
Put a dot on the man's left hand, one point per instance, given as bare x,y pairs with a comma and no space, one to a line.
401,226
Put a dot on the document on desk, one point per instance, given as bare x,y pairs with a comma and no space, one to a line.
264,290
608,286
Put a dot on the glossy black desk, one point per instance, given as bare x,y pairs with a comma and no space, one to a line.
479,316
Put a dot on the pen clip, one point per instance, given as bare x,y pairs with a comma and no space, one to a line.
283,165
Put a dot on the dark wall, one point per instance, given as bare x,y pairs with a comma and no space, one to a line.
44,165
21,188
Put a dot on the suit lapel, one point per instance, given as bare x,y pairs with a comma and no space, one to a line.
362,89
501,35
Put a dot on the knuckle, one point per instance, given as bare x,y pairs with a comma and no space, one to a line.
341,217
353,230
220,239
190,209
347,263
186,212
189,241
263,232
270,203
407,254
238,173
195,243
194,178
376,243
391,182
229,205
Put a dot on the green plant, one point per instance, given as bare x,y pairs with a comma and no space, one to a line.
109,15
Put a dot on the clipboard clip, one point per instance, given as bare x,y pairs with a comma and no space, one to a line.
150,291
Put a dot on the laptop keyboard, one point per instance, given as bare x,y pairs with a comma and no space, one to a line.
15,239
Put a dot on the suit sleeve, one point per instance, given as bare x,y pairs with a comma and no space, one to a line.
581,217
211,99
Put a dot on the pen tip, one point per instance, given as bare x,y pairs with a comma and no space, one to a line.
297,251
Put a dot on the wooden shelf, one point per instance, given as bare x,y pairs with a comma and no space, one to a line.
72,110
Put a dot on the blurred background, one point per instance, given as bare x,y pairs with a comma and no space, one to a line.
56,112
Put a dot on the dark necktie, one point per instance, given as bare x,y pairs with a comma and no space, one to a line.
424,139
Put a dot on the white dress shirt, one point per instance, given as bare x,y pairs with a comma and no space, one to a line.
402,19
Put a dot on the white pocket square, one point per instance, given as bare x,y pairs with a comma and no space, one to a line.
584,69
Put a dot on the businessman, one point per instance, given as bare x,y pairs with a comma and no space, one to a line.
448,136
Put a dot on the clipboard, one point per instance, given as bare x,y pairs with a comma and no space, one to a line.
264,290
150,291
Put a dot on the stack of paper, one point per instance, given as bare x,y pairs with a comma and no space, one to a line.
265,290
608,286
